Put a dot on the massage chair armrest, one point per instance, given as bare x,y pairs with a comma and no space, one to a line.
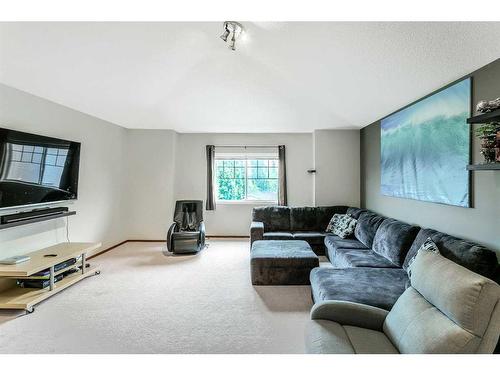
173,228
256,231
201,229
350,313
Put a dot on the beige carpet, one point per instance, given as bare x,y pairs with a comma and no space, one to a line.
146,302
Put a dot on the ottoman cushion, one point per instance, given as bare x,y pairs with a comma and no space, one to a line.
282,262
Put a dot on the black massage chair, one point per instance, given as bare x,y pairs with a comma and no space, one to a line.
187,234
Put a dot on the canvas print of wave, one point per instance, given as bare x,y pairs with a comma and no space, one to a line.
425,148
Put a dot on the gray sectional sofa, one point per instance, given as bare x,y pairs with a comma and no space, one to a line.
460,318
371,266
293,223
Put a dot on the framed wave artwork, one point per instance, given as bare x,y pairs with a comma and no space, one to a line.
425,148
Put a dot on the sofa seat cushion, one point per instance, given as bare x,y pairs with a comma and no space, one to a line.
472,256
327,337
393,240
278,236
379,287
332,243
368,223
344,243
347,258
313,238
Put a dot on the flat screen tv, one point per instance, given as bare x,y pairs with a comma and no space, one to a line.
36,170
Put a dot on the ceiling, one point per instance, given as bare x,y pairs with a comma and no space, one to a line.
284,77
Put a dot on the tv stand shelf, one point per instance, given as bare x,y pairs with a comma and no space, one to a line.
15,297
37,219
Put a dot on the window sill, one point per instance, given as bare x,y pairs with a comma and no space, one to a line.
254,203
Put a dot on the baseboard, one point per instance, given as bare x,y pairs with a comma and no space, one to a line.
106,250
145,241
216,236
124,242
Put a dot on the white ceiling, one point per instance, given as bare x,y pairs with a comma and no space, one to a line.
285,77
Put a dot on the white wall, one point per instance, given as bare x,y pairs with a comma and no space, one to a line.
164,166
130,179
336,159
234,219
149,183
100,216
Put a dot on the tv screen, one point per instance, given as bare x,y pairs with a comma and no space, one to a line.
35,170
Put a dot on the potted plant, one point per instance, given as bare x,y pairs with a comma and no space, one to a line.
488,135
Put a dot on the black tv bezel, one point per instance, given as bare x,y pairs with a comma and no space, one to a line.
75,170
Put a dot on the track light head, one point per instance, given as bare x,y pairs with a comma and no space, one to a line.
225,34
233,29
233,43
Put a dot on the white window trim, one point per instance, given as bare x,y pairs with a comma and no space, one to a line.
245,201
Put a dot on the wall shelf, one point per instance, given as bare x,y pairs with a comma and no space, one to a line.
493,116
37,219
484,167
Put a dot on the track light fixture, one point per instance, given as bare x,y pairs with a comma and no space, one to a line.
225,34
235,29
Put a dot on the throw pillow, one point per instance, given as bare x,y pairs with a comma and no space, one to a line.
332,222
342,225
345,226
428,245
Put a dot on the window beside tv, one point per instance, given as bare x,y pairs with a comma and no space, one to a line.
246,180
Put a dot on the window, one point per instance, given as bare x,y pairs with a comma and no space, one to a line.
36,164
239,179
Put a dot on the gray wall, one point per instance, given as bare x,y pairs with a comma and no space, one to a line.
336,160
480,223
233,219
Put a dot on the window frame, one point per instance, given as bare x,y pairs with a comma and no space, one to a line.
30,151
246,158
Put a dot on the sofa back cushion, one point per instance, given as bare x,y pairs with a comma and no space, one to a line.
447,309
415,326
313,218
275,218
325,213
368,223
354,212
393,240
303,219
475,257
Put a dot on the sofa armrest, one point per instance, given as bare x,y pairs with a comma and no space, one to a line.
350,313
256,231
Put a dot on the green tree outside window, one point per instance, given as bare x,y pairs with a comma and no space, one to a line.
240,179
